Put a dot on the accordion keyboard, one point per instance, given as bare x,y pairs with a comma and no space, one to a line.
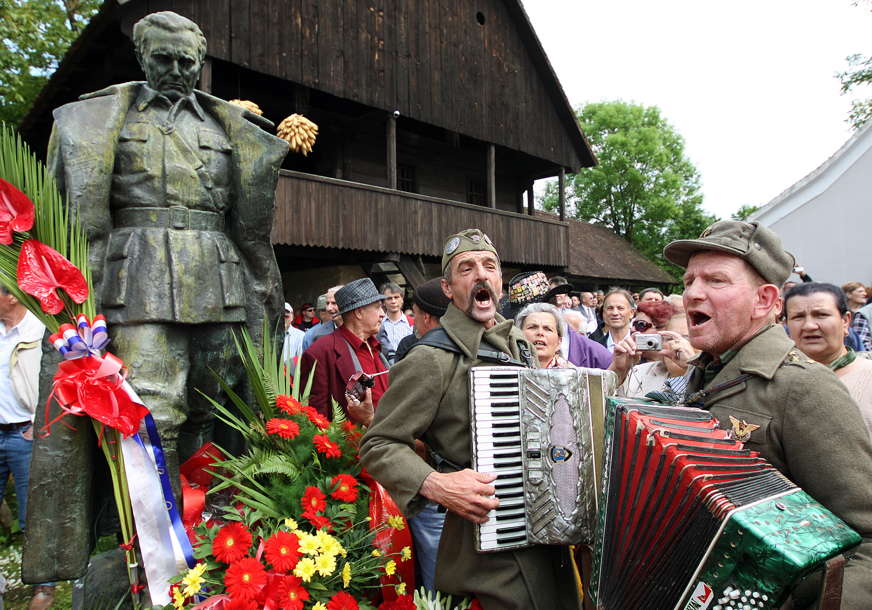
497,447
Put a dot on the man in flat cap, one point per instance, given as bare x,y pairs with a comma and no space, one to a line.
792,410
429,399
350,349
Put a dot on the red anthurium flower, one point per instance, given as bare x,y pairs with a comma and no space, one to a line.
232,543
245,578
16,212
288,404
346,488
42,270
282,550
325,446
313,500
342,601
292,593
284,428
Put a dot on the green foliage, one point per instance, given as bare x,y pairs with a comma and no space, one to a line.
857,76
644,188
744,212
35,34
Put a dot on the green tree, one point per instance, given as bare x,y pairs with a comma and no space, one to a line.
743,212
857,76
644,188
35,34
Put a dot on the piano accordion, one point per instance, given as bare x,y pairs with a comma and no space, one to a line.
540,431
693,520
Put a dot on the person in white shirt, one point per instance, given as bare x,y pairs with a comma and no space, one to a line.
292,346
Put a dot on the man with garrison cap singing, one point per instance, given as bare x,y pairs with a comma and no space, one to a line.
429,399
751,376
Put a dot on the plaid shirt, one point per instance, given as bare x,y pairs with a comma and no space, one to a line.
861,326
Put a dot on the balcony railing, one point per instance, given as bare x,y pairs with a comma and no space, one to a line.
318,211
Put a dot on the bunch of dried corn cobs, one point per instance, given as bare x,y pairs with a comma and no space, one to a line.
248,105
299,132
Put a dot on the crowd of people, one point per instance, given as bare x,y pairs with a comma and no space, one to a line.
738,317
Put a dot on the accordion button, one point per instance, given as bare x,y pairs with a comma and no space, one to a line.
735,594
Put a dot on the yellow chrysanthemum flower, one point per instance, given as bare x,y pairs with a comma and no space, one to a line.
291,524
401,588
406,553
397,522
325,564
305,569
390,567
319,606
308,544
333,547
346,574
376,553
178,599
193,580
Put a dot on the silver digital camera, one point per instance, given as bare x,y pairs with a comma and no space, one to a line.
649,342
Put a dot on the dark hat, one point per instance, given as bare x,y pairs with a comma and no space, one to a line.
466,241
430,298
757,245
559,289
357,294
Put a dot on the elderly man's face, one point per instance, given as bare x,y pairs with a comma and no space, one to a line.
587,299
171,62
720,295
476,284
652,297
816,326
617,311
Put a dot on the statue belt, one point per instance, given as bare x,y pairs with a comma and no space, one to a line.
175,217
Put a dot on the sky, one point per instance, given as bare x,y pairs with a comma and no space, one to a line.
750,85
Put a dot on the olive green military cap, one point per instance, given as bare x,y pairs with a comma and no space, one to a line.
757,245
466,241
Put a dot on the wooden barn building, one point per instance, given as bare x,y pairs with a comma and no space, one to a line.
434,116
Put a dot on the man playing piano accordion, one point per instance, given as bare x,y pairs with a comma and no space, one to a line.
792,410
429,399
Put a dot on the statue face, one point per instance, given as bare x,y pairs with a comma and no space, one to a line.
171,62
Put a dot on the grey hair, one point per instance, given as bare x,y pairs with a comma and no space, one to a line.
391,287
625,293
169,22
542,308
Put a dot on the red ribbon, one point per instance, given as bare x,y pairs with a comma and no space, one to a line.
94,387
389,540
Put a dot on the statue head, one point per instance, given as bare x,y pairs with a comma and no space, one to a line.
170,50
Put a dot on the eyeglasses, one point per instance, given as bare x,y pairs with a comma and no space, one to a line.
641,325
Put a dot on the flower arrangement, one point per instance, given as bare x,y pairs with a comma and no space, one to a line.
304,526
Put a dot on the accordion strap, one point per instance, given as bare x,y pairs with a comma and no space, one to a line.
831,587
439,338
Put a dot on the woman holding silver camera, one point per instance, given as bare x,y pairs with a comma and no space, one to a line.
657,328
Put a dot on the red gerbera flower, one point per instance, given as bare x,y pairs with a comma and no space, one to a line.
288,404
314,500
325,446
403,602
16,212
231,543
342,601
346,488
316,418
282,551
292,593
240,604
283,427
318,521
245,578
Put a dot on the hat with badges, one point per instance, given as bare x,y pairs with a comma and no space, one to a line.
757,245
466,241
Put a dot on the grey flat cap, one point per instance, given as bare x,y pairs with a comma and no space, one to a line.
357,294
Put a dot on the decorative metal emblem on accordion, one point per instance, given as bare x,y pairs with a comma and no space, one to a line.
692,520
535,429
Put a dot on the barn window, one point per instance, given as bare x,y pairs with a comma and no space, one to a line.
475,192
406,178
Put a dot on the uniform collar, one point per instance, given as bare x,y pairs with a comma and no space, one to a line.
147,95
467,333
761,355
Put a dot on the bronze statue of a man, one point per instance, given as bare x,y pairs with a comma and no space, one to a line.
175,190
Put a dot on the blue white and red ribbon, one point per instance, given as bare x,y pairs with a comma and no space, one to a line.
86,338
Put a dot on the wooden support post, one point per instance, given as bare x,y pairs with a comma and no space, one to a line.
206,76
491,176
392,152
561,187
531,204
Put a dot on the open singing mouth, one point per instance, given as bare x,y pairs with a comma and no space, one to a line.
482,295
697,318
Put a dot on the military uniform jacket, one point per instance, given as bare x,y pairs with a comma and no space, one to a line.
812,431
190,270
428,398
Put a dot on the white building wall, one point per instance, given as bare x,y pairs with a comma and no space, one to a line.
826,219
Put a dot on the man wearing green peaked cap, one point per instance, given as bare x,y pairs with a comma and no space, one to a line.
429,400
751,376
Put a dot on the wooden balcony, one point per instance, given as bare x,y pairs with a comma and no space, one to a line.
326,212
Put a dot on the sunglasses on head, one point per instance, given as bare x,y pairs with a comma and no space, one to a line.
641,325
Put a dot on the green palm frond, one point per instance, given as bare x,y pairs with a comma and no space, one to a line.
54,225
